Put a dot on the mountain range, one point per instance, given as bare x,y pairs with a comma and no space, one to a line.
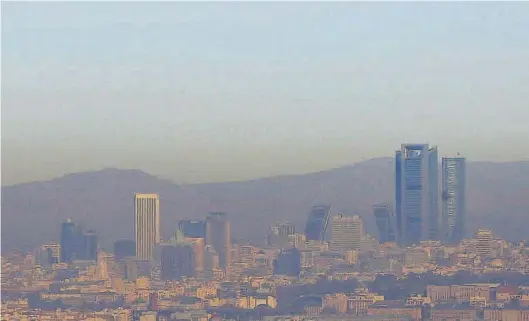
497,198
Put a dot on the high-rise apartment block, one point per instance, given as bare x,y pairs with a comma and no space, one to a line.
416,193
347,232
453,199
484,243
146,224
218,236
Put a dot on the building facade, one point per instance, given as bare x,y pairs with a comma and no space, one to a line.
218,237
484,243
347,232
68,241
385,223
146,225
192,228
317,222
453,199
416,193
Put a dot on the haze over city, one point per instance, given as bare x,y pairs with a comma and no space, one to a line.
201,92
271,161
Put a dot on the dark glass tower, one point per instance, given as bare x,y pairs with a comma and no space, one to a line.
385,223
88,246
288,262
124,248
177,261
416,193
192,228
218,236
69,241
317,222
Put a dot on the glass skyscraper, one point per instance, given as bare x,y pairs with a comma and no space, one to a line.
317,222
385,223
218,236
68,241
416,193
453,198
192,228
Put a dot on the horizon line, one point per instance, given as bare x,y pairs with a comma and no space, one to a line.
241,180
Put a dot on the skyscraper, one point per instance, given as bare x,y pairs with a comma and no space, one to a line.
453,198
124,248
347,232
146,224
199,254
288,262
218,236
385,223
317,222
280,232
192,228
484,243
68,241
177,258
416,193
87,246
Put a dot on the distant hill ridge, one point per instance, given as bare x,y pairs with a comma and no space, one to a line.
498,197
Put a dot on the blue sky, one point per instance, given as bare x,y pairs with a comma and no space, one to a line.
234,90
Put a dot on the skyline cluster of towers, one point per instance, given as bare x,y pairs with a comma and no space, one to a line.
424,210
419,214
195,241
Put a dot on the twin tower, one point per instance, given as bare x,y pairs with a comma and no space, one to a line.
419,214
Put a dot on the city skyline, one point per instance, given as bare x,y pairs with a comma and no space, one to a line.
207,161
73,72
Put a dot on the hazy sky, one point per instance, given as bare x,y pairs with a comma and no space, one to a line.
232,90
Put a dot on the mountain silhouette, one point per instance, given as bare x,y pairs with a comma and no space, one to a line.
497,198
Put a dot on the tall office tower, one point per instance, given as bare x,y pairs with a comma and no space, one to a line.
285,229
87,245
192,228
198,250
146,224
317,222
347,232
177,259
280,232
68,241
124,248
416,193
211,261
288,262
385,223
453,198
484,244
218,236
